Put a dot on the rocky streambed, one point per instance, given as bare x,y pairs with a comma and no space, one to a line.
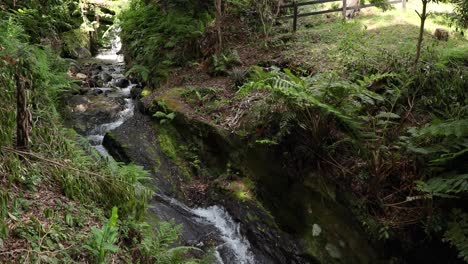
228,195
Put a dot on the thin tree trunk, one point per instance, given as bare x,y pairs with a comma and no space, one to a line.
219,15
22,115
423,17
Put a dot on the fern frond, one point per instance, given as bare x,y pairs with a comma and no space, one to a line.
457,233
443,186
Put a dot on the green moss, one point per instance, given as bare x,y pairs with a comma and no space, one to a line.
146,92
167,139
166,143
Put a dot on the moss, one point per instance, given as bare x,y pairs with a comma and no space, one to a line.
166,143
146,92
241,189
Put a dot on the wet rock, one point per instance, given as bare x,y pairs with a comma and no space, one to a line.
105,77
86,110
82,91
122,83
82,53
90,83
135,92
81,76
137,139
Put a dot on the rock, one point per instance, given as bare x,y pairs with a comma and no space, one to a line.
74,69
122,83
90,83
82,53
83,90
105,77
81,76
135,92
90,108
441,34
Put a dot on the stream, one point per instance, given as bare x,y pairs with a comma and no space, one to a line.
198,223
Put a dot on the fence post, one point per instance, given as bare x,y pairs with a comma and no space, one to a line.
344,8
403,3
295,16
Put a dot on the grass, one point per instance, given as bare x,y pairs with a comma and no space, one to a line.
322,44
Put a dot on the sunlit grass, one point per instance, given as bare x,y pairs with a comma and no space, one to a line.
325,43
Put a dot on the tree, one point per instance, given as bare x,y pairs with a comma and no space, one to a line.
460,17
423,16
219,17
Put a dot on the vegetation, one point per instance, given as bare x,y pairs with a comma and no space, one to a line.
376,105
394,139
54,195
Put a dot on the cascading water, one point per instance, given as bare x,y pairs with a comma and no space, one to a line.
114,66
234,248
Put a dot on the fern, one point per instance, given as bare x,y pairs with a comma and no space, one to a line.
140,71
457,233
457,128
441,142
445,186
326,93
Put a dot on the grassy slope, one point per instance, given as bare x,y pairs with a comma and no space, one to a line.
322,44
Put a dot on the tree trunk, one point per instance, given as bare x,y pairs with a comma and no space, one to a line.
423,17
22,115
219,16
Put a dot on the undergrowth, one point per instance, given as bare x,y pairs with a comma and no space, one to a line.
55,195
401,156
165,32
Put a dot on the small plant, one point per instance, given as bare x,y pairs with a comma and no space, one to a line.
138,71
104,240
239,76
225,61
163,117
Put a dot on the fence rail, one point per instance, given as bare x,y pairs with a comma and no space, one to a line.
295,6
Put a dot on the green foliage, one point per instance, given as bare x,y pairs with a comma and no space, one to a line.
331,96
46,19
4,197
163,117
157,245
445,187
103,241
139,71
158,39
457,233
224,62
441,142
460,16
73,41
57,161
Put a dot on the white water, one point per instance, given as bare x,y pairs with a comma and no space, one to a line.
116,44
115,69
237,246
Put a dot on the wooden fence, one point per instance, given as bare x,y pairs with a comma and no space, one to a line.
295,6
